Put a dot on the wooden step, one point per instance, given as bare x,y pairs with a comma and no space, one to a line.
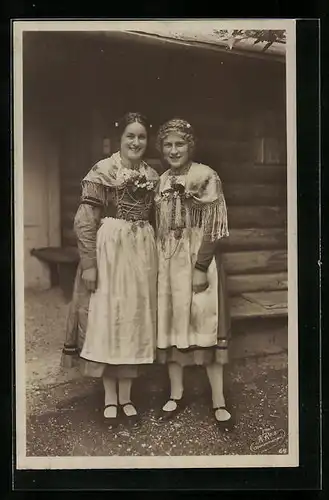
259,305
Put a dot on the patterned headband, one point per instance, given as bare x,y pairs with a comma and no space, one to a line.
178,126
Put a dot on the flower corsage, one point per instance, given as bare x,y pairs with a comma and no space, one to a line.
139,183
176,189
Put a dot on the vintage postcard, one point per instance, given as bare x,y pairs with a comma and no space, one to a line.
155,244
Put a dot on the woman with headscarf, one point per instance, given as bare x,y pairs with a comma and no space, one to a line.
193,317
112,319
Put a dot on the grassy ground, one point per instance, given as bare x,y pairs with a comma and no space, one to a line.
64,411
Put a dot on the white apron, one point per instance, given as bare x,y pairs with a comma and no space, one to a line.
185,318
122,312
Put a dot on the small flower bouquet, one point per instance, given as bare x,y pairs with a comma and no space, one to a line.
141,182
176,190
138,182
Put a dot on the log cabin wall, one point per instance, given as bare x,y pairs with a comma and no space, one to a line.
237,107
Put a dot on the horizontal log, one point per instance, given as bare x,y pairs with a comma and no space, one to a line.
215,150
229,171
239,171
255,239
251,173
238,284
239,239
255,194
262,261
256,216
235,194
236,263
242,217
208,125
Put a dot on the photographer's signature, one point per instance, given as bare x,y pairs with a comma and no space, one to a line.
269,438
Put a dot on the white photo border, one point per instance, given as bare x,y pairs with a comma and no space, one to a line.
115,462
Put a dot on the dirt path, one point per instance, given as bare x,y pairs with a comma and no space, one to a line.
64,411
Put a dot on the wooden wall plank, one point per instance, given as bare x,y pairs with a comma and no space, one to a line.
241,264
217,150
238,172
256,216
255,194
236,262
229,171
238,284
255,239
235,194
238,217
268,261
251,173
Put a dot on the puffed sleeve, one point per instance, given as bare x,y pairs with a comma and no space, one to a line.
216,226
86,223
87,220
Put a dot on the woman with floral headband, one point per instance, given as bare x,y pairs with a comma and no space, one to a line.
112,318
193,318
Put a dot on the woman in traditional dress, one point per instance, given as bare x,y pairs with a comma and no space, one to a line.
193,317
112,319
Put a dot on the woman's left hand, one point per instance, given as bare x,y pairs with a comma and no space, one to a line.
199,281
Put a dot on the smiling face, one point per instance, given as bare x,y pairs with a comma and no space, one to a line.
175,150
133,142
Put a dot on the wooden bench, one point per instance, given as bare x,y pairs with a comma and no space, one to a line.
63,262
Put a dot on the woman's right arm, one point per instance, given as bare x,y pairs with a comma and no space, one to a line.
86,223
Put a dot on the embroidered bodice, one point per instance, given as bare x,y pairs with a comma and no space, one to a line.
123,192
130,204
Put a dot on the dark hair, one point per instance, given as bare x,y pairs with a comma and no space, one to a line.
129,118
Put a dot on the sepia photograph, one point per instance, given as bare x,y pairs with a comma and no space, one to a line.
155,244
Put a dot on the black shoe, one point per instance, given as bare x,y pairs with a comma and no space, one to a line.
111,421
224,425
165,415
132,420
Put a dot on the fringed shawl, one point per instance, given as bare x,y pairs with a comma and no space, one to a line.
110,174
201,204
